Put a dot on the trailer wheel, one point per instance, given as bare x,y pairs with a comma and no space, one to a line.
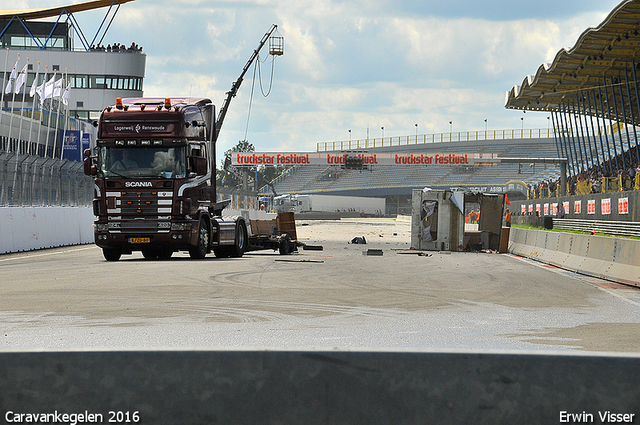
237,250
111,254
200,251
286,246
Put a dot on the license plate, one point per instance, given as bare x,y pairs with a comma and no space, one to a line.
139,240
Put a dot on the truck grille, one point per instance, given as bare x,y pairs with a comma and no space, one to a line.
139,211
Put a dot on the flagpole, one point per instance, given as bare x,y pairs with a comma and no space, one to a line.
32,93
17,89
65,112
49,115
41,120
57,119
4,74
15,172
12,102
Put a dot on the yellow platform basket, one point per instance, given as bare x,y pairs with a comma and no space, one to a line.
276,45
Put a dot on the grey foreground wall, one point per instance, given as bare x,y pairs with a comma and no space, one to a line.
307,387
29,228
615,259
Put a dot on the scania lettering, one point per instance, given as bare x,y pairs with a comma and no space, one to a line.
154,170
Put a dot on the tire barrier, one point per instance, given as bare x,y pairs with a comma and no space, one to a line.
29,228
318,387
604,257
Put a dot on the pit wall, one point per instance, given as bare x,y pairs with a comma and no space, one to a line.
318,387
614,259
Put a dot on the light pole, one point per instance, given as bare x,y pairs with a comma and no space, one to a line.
416,124
382,128
349,135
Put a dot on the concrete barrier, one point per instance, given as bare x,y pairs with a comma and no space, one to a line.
316,387
29,228
615,259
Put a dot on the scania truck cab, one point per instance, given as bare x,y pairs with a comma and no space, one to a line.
154,171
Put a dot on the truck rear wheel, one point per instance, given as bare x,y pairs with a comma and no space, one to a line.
200,251
111,254
237,250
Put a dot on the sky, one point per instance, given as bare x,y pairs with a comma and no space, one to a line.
349,67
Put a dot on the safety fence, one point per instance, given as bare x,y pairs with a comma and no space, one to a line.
31,180
618,183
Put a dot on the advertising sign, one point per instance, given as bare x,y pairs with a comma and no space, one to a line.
591,206
71,145
605,206
417,159
623,205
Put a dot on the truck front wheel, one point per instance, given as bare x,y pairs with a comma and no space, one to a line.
200,250
111,254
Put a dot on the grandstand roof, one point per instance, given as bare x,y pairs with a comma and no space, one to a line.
610,49
48,12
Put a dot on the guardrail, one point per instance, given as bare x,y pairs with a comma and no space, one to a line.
614,259
617,228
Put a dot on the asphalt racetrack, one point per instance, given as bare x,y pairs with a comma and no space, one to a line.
71,298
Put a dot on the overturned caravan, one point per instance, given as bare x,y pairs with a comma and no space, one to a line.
440,221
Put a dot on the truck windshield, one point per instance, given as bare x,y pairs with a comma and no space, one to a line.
152,162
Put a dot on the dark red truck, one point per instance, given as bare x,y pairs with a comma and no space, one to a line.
154,171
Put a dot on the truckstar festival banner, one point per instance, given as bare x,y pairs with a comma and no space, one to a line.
253,158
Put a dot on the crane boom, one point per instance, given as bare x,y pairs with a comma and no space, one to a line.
236,85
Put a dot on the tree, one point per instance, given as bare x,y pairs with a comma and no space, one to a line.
265,173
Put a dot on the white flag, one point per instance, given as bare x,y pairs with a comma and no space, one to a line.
47,88
65,95
22,78
57,89
12,78
34,86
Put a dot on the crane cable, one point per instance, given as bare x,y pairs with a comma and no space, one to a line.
253,83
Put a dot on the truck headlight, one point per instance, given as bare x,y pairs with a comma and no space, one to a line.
102,227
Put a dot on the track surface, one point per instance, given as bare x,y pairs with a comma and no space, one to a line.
71,298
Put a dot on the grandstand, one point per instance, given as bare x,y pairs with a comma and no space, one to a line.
396,182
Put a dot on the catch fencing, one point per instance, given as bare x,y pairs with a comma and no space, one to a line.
31,180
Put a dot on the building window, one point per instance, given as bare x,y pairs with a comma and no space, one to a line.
80,104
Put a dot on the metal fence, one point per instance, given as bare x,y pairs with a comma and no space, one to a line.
417,139
617,228
31,180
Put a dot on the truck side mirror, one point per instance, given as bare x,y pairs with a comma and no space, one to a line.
201,166
89,168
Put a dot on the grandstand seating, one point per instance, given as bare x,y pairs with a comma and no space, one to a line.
313,179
